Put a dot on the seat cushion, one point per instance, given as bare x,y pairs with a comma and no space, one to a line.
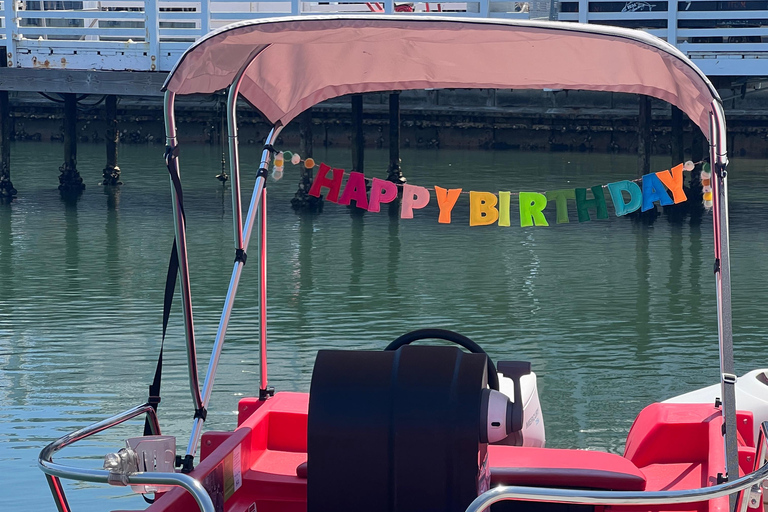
548,467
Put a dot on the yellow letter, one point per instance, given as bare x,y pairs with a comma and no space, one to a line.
503,208
482,208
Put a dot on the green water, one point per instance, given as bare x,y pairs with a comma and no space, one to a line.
612,315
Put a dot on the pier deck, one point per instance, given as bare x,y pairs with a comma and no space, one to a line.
127,46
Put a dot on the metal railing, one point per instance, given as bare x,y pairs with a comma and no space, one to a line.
750,487
54,471
702,29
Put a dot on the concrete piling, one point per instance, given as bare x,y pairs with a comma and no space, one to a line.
7,192
644,137
301,200
111,172
70,183
394,171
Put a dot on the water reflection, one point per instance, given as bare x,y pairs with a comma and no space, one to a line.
112,231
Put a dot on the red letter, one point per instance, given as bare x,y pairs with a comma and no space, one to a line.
332,184
382,191
355,191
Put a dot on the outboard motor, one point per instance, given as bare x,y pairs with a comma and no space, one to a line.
403,430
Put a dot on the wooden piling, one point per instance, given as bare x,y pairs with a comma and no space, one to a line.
644,136
7,192
111,172
394,172
70,183
676,144
302,201
358,138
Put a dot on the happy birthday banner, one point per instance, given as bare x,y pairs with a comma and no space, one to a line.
486,208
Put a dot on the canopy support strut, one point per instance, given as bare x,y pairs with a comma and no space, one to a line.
242,234
719,159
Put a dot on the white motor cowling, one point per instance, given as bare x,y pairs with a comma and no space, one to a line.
531,432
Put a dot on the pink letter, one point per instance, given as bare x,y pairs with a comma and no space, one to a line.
382,191
355,191
332,184
414,198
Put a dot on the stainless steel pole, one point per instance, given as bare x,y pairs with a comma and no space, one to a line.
719,161
181,246
231,292
264,391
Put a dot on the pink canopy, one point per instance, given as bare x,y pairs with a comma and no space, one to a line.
297,62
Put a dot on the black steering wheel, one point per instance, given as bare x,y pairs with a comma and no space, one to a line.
454,337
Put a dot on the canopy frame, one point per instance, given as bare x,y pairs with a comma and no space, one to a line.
714,128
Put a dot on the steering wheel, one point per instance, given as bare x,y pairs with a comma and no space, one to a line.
453,337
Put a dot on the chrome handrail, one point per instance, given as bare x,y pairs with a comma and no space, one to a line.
55,471
582,497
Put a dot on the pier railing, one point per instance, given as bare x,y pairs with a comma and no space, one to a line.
722,37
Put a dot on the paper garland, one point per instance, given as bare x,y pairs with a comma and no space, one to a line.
487,208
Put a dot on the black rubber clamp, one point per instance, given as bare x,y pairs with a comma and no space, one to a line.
153,400
240,255
201,413
266,393
186,463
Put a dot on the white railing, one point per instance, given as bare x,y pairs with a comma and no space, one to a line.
722,37
151,35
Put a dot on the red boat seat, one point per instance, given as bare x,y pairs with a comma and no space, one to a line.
548,467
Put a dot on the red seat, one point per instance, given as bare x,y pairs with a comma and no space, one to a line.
547,467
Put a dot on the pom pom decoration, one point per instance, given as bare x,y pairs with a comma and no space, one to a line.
277,166
688,166
706,185
279,160
309,163
295,159
287,155
277,173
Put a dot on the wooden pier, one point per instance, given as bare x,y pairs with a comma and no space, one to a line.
127,47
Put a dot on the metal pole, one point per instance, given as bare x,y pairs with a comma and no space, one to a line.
181,246
218,344
263,389
719,159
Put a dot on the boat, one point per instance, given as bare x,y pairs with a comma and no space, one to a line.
421,427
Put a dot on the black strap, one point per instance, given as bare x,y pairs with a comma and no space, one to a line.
170,287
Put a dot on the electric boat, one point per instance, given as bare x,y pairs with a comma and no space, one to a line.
415,427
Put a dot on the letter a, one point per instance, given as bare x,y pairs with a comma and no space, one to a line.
355,191
653,190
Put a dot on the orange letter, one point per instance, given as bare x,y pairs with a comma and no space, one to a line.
446,200
674,182
482,208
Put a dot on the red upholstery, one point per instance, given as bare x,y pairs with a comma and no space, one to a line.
547,467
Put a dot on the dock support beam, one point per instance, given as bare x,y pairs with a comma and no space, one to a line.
358,138
111,172
394,172
70,183
676,143
302,201
7,192
644,136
